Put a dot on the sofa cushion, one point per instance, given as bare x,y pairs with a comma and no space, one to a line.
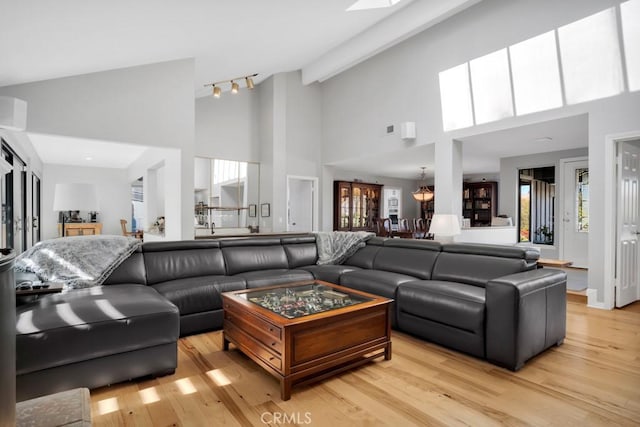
329,272
448,303
177,260
258,279
300,250
364,257
131,270
198,294
411,257
476,264
86,324
382,283
244,258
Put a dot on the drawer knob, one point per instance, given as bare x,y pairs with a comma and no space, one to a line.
271,358
270,329
273,343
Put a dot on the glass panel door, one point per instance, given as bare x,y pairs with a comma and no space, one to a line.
35,209
582,200
14,202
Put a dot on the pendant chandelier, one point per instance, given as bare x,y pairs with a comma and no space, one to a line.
423,194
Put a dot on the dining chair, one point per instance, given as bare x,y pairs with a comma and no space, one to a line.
136,234
383,227
419,228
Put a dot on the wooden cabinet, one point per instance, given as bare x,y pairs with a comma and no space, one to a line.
356,206
480,202
427,209
80,229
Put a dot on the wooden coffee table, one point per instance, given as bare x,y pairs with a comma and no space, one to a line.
307,331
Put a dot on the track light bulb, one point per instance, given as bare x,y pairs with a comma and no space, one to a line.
216,91
234,87
249,82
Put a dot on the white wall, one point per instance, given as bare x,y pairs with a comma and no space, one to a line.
169,161
356,105
303,126
279,125
113,191
151,105
227,127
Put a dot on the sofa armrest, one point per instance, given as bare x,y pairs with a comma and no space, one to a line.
525,314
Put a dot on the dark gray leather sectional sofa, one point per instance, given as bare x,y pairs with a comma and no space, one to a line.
488,301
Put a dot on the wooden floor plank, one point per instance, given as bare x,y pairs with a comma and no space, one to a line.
592,379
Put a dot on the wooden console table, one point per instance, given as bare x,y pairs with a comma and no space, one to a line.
80,229
554,262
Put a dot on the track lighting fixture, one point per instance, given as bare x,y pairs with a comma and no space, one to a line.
235,87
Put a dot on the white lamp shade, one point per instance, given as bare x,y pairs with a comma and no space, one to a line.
75,197
444,225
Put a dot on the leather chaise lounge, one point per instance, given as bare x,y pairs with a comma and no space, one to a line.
488,301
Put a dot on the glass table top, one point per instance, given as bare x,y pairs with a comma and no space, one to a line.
302,300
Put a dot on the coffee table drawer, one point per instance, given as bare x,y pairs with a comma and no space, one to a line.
258,323
264,332
247,343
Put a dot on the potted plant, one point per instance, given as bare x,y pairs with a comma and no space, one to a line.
545,235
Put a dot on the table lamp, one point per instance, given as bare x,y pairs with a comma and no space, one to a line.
74,197
444,227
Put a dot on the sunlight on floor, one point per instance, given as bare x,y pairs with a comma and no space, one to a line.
186,386
149,395
218,377
107,406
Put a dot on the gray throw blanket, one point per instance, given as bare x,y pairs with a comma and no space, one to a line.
335,247
76,262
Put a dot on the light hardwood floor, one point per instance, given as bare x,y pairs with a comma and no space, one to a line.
593,379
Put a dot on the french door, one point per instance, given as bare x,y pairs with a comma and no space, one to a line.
35,209
14,202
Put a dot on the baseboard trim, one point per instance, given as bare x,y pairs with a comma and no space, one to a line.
577,296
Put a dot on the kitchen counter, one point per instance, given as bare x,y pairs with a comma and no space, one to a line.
247,234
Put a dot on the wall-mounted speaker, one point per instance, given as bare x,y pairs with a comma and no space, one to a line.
13,113
408,130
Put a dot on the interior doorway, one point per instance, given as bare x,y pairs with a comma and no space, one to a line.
302,203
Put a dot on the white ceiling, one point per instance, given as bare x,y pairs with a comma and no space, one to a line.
63,150
481,153
43,39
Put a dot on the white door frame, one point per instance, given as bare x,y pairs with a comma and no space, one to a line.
560,196
316,211
610,220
